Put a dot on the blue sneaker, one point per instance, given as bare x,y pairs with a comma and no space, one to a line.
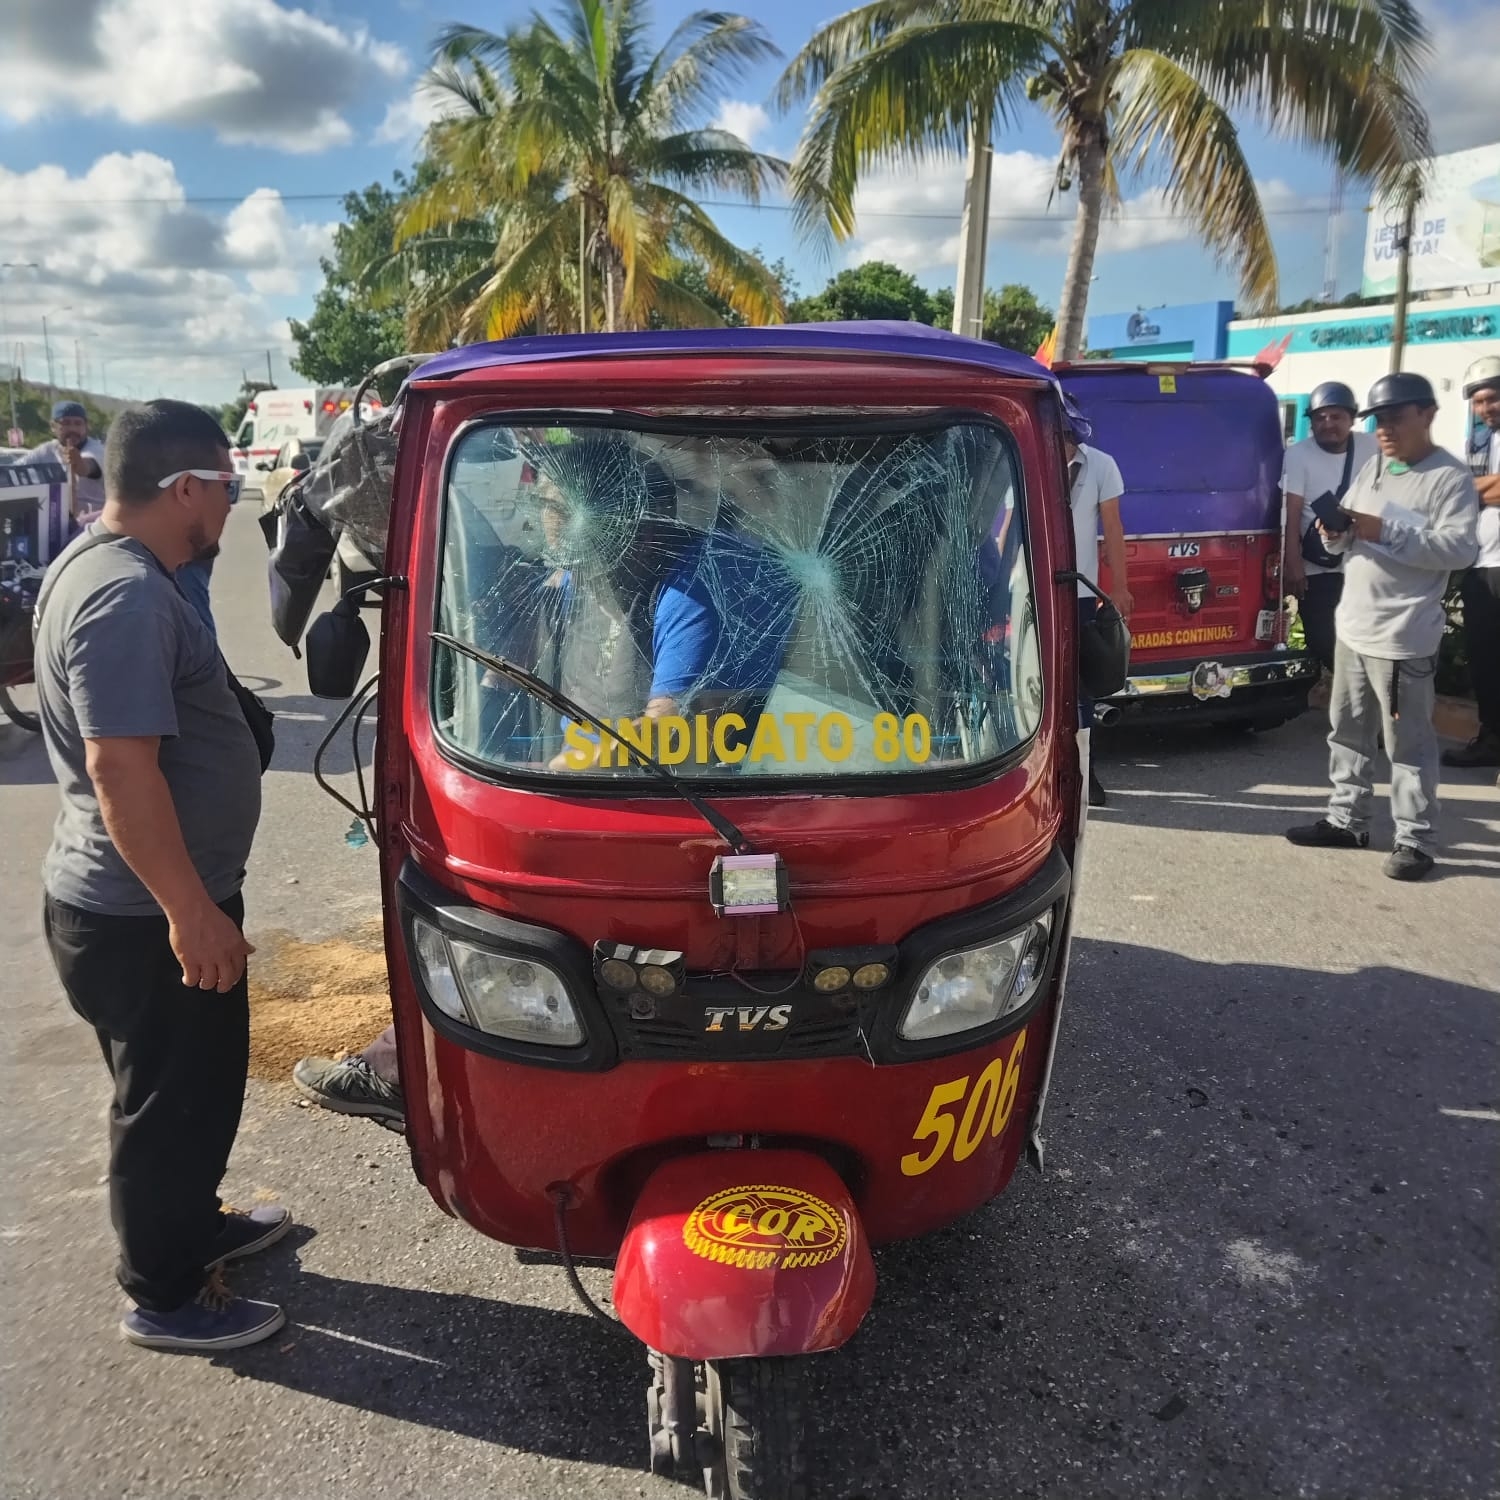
214,1320
244,1233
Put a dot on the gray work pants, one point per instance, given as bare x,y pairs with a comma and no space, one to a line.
1372,695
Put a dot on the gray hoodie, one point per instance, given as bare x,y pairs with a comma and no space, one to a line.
1392,606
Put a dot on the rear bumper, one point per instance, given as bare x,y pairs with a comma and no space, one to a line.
1218,688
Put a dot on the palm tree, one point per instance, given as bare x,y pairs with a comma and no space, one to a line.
579,151
1134,87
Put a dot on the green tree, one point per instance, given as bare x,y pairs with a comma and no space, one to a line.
33,410
350,330
582,152
1012,316
233,412
876,289
1134,87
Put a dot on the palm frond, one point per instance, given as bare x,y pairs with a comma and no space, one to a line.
713,159
914,95
1165,113
706,52
677,307
1342,77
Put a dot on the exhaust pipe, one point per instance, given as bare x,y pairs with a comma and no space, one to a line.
1106,714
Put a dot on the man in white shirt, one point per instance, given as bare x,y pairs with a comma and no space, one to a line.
1095,489
1481,584
1327,462
1407,523
80,454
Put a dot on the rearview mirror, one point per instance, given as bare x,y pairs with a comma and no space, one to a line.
337,645
301,463
265,465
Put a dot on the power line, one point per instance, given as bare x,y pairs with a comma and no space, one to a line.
784,208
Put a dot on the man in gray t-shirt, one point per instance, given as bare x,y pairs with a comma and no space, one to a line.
160,781
1407,522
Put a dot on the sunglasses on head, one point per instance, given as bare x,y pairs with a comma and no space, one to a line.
227,477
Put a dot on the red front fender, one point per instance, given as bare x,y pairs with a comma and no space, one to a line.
737,1253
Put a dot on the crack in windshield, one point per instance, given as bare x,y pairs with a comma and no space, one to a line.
746,603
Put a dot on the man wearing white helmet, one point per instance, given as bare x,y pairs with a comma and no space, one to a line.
1481,584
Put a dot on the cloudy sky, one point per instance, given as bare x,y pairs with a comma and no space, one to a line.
170,172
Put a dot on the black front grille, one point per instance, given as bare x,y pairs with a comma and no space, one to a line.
718,1020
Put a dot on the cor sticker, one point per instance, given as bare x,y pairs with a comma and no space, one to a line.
1167,384
986,1111
764,1227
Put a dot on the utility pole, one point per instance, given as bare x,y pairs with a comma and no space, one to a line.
583,265
47,349
1403,278
269,376
1331,239
968,296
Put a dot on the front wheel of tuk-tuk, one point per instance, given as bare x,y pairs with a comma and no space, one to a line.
756,1424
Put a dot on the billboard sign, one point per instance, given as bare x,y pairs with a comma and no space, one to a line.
1456,231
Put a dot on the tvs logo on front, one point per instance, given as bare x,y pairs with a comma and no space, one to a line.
1184,549
765,1227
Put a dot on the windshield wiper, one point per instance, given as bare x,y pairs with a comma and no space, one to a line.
560,703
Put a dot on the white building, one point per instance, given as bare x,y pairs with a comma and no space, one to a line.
1444,335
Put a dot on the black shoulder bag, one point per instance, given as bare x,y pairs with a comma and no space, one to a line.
259,719
1313,550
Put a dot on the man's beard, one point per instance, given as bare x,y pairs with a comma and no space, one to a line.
203,549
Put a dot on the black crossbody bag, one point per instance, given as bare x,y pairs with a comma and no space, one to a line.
259,719
1313,550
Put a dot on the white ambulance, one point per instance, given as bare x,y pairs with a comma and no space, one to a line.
275,417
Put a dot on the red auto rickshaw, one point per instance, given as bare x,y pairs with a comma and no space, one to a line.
728,790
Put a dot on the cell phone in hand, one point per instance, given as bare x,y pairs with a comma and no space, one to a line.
1330,514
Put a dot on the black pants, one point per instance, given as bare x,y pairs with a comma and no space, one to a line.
1324,590
178,1058
1481,596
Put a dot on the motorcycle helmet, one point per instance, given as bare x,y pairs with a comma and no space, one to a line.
1404,388
1332,393
1483,373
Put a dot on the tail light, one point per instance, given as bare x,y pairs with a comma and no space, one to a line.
1271,578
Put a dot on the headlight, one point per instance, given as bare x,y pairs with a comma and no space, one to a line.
961,991
517,998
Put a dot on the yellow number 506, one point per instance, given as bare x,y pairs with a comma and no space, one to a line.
987,1112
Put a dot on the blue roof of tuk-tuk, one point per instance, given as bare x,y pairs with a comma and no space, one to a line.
865,339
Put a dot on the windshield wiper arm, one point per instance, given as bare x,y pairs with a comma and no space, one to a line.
545,693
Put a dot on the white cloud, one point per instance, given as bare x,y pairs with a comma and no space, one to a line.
255,72
911,216
174,300
1459,89
407,118
743,118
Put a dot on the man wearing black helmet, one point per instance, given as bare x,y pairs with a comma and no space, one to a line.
1325,463
1407,522
1481,585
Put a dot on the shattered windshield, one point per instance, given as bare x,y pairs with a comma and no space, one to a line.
739,601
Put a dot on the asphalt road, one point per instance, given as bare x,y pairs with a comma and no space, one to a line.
1262,1262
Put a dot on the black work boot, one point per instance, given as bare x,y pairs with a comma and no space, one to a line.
1482,751
1326,835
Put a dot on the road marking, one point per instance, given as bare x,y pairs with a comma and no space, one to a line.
1472,1114
349,1338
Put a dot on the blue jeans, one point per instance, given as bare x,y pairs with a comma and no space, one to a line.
192,580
